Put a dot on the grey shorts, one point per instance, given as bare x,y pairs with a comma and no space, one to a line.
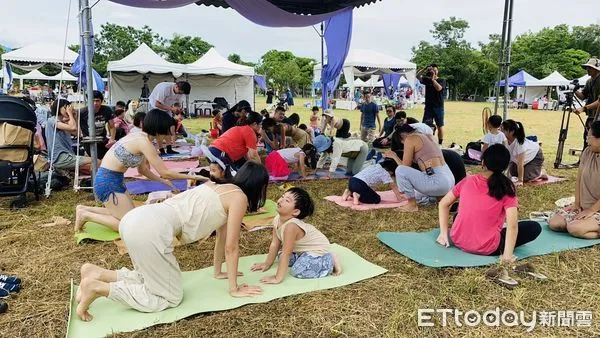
69,161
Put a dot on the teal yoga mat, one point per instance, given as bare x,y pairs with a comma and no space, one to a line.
204,293
422,248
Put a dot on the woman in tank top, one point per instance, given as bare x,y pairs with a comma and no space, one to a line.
433,179
133,150
148,232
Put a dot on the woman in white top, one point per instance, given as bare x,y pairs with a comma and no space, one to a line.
148,232
335,148
526,156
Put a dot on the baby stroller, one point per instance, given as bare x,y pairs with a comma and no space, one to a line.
17,129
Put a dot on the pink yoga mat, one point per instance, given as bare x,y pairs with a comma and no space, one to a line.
388,200
179,166
551,179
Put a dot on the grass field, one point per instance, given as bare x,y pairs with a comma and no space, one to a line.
48,258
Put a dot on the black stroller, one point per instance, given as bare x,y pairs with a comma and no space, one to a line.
17,130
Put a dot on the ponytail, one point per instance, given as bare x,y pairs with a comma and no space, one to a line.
517,129
499,186
496,159
520,132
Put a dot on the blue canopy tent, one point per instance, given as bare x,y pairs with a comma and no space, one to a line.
521,79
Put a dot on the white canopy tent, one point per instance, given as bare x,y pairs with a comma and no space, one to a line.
210,76
365,62
539,88
63,75
126,76
214,76
36,55
583,79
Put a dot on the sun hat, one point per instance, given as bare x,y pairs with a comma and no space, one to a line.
322,143
592,63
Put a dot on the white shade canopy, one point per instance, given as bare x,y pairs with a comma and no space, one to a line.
373,59
144,60
65,76
213,63
33,75
583,79
553,80
41,53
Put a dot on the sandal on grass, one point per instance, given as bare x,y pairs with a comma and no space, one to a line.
540,215
500,276
528,270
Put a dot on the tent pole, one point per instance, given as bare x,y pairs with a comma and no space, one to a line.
324,95
86,16
501,61
507,63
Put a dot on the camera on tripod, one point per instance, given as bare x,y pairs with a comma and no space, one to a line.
571,87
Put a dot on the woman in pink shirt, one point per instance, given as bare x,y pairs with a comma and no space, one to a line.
487,200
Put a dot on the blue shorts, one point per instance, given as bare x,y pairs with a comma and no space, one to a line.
108,183
221,155
309,265
434,114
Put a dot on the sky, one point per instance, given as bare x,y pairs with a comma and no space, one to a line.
389,26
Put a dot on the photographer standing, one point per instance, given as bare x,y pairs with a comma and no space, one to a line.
434,98
590,93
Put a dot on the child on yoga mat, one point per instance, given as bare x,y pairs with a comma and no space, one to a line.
487,200
148,232
526,156
362,186
304,249
133,150
278,162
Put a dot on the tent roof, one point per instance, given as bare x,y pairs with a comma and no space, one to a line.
372,59
145,60
33,75
66,76
554,79
583,79
521,79
41,53
213,63
301,6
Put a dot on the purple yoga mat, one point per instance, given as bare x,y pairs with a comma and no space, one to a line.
144,187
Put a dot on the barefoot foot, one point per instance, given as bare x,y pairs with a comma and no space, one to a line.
409,208
79,218
88,295
337,267
346,195
355,197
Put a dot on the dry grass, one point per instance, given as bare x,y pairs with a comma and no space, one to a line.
48,258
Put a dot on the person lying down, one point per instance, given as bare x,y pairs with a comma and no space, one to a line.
304,249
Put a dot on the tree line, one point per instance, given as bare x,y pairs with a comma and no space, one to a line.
473,70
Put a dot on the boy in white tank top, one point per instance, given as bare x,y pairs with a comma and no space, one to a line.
304,249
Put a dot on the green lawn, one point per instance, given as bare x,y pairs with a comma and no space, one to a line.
48,258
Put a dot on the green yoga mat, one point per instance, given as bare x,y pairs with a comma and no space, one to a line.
422,248
99,232
204,293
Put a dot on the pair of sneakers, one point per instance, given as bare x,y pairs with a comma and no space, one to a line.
500,275
9,284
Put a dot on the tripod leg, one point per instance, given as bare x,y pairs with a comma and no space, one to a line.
562,136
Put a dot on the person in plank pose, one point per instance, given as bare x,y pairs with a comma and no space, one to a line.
304,249
155,283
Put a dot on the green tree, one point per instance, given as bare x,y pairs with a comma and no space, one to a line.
587,39
186,49
115,42
286,70
236,58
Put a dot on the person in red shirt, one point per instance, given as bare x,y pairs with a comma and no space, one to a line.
237,144
487,200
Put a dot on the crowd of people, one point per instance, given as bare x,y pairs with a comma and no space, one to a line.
400,152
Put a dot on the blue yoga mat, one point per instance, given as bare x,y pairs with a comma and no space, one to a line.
422,248
140,187
340,173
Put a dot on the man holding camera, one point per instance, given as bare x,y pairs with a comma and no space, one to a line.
434,98
590,93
